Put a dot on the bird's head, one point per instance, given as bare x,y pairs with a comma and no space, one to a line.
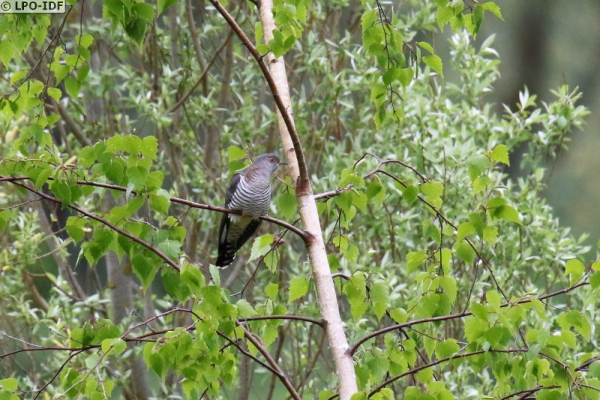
268,161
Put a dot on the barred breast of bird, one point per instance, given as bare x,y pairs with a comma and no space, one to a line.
252,198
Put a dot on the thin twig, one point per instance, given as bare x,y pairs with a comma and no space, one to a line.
202,76
280,374
382,331
136,239
304,183
440,361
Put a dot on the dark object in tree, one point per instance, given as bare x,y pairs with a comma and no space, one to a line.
249,192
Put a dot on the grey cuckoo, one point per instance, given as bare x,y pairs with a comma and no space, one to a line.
249,192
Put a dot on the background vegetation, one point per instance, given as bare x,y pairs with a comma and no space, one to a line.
123,122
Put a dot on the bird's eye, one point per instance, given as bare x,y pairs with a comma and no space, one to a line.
272,160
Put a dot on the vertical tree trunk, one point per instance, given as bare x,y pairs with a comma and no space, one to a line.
310,219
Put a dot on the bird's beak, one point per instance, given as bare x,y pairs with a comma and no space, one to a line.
282,163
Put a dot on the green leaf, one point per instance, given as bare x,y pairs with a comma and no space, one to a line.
446,348
192,277
235,153
508,213
159,203
144,10
87,157
174,286
594,278
424,375
475,328
464,230
245,309
405,76
477,19
575,319
359,200
477,164
135,204
380,296
500,154
448,283
490,233
107,330
434,62
390,76
351,177
74,228
62,191
4,215
96,248
214,275
491,6
164,4
73,86
575,269
426,46
298,288
136,29
56,93
262,48
114,169
117,345
149,147
154,182
137,175
399,315
432,189
465,252
493,298
444,15
42,178
356,292
271,290
171,248
157,362
594,369
7,50
261,246
444,257
498,208
10,384
375,193
258,32
287,204
414,260
145,269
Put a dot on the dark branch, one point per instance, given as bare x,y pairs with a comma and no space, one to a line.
179,200
289,123
103,221
443,360
319,322
372,335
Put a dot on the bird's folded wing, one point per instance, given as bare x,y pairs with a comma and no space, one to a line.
233,235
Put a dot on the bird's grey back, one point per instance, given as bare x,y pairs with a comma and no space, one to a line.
249,192
252,194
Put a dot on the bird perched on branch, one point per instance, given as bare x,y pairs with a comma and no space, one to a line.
249,192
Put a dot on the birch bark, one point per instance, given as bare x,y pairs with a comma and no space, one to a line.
310,220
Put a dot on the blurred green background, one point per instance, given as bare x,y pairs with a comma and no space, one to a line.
544,44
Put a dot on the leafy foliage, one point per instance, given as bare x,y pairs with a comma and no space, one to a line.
451,271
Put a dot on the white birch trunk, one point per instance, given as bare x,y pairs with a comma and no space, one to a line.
310,220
